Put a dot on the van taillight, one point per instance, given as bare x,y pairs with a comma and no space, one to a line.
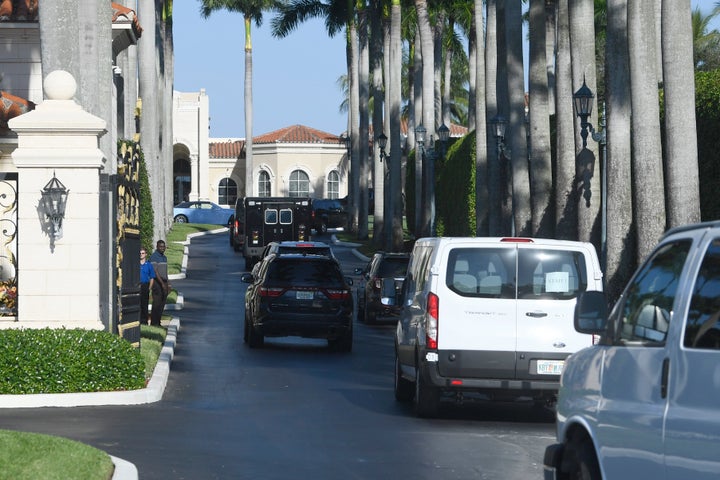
255,237
337,294
301,232
431,329
517,239
271,292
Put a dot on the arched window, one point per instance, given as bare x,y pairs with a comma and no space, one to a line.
333,185
299,184
263,184
227,191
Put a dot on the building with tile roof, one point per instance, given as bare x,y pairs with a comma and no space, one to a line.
293,161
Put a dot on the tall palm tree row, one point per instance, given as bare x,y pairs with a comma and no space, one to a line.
523,188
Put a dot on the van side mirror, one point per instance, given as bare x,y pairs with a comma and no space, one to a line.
246,278
591,313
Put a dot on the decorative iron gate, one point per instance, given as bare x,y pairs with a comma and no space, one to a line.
127,242
8,245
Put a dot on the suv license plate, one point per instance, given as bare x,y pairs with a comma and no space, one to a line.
550,367
301,295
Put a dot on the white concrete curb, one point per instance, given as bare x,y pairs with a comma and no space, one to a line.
124,470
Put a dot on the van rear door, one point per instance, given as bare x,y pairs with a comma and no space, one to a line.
549,279
476,324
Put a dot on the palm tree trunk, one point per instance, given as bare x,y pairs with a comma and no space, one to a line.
477,107
540,157
550,49
492,58
353,56
364,119
683,190
619,256
582,50
395,100
249,184
428,107
377,41
516,123
648,181
565,195
472,68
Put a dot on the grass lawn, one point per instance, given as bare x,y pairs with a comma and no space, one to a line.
30,456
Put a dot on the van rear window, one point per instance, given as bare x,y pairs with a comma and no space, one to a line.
482,272
516,273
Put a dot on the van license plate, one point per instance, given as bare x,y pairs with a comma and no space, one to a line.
300,295
550,367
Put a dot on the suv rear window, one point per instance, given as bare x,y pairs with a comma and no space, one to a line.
393,267
303,272
491,273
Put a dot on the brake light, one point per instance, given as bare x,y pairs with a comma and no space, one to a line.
431,330
517,239
337,294
301,232
271,291
255,237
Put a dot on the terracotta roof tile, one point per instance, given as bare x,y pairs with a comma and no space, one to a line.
297,134
120,12
227,149
12,106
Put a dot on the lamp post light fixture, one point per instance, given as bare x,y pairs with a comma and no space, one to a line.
382,143
53,202
583,103
499,125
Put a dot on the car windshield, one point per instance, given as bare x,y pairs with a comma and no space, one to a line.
393,267
304,272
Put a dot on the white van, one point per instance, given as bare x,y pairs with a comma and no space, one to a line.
490,315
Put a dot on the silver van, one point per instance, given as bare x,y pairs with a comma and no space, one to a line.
644,402
490,315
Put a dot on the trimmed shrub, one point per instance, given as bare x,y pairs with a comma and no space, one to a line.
67,360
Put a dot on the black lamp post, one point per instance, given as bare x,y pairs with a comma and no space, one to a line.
583,103
420,132
499,125
382,143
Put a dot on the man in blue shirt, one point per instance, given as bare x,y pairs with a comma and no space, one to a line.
147,276
161,286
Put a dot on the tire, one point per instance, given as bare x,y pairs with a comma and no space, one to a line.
580,456
246,328
403,388
369,318
248,263
427,398
181,219
254,339
343,344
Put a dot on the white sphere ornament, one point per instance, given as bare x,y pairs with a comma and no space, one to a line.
60,85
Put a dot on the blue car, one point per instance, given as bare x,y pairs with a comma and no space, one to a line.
202,212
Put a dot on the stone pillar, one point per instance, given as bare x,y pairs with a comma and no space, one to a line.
59,285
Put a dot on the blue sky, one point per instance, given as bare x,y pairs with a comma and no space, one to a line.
295,79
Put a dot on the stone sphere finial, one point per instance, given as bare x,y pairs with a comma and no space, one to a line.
60,85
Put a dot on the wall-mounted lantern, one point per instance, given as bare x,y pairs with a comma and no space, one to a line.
54,200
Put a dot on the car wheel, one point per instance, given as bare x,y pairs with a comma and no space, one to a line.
580,456
370,317
342,344
403,387
255,339
181,219
246,329
427,398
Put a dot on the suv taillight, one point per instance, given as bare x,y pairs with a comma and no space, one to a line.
271,291
337,294
431,329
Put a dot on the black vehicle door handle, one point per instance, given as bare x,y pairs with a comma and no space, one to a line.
536,314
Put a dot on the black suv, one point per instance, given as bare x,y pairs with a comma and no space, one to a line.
299,295
329,213
303,248
379,295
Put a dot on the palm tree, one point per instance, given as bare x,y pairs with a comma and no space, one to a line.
619,256
565,194
252,11
516,124
394,103
648,179
582,48
479,108
683,190
540,155
706,44
427,53
494,64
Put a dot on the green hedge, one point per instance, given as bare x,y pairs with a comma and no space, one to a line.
455,189
67,360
